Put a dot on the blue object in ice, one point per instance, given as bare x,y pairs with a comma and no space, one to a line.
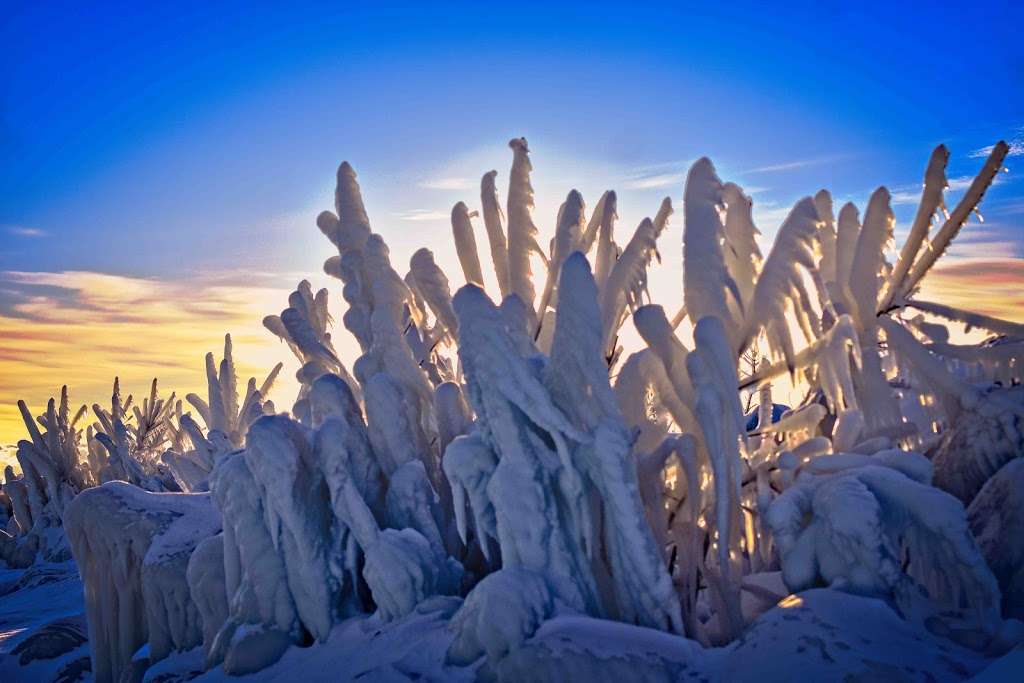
777,410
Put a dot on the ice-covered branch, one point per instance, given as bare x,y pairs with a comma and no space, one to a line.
968,203
969,318
931,201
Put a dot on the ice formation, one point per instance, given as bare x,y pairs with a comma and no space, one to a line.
498,471
132,549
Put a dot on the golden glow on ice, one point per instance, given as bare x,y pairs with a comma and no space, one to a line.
791,601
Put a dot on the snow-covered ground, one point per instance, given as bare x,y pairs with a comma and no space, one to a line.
819,635
42,624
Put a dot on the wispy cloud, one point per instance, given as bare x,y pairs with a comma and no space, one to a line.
24,231
982,247
905,196
422,215
1005,207
656,175
791,165
449,184
1016,144
911,194
656,180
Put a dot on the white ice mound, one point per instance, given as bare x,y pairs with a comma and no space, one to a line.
996,517
206,585
254,572
499,615
132,548
297,512
853,530
987,434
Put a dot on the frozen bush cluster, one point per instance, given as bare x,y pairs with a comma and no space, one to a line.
504,450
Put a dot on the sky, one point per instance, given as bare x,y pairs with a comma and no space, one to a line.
161,167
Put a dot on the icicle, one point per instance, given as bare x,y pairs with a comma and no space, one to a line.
522,234
826,236
465,243
780,287
627,282
433,285
847,235
606,248
495,233
705,278
742,255
570,226
866,271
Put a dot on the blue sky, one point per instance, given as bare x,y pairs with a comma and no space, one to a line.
192,145
150,141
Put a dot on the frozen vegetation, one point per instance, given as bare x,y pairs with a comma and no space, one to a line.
495,489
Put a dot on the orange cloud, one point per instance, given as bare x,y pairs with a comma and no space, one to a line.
993,286
84,328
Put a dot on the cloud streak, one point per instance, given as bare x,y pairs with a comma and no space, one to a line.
791,165
654,181
422,215
990,285
1016,144
25,231
657,175
449,184
911,194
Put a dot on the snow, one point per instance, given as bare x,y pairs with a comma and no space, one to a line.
208,587
985,433
433,286
627,282
823,634
254,573
866,271
829,635
956,219
30,599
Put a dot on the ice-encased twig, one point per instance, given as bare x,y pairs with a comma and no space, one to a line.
522,234
465,243
706,281
931,201
957,218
